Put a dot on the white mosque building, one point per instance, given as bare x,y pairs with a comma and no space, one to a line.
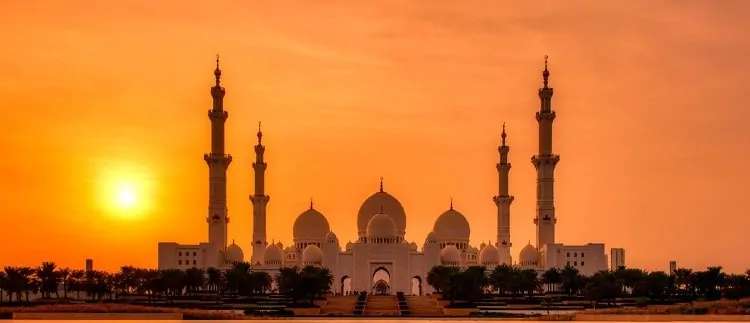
381,254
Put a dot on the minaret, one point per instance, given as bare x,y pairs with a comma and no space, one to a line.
503,202
218,162
260,201
545,162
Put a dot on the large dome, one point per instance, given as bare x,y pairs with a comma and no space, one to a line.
233,254
273,254
382,226
529,255
312,255
452,226
450,255
311,225
389,204
489,255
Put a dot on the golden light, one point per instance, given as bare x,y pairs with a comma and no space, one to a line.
125,191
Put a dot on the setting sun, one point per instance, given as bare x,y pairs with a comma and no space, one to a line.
125,192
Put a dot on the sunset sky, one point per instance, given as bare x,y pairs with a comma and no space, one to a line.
105,98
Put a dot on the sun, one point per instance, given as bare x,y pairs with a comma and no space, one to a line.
126,196
125,192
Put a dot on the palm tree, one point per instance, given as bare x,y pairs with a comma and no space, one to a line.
63,275
439,277
195,279
288,282
77,282
551,278
684,279
570,280
29,284
528,281
501,279
260,282
215,282
316,281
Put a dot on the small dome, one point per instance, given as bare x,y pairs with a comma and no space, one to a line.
349,245
482,245
233,254
430,238
381,225
312,255
311,225
381,201
452,226
273,254
489,255
331,237
450,255
472,249
528,255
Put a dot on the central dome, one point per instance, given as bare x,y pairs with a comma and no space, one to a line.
311,225
452,225
382,226
389,204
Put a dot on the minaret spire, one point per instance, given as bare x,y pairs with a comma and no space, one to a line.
381,184
260,201
503,201
544,162
218,162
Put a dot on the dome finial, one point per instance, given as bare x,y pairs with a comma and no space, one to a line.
217,71
545,73
232,240
260,133
381,184
311,203
451,203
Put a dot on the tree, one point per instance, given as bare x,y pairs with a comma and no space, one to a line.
501,279
603,285
551,278
570,280
195,279
439,277
528,281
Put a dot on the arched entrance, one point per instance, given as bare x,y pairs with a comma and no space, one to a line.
381,281
346,285
416,285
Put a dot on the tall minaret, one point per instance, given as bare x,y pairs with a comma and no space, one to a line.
218,162
545,162
503,202
260,200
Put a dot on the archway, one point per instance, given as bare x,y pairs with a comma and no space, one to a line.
346,285
381,281
416,285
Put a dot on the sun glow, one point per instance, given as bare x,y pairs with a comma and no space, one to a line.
125,192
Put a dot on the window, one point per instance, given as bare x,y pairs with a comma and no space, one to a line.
568,254
582,254
179,262
568,263
195,253
194,262
575,254
582,263
575,263
179,254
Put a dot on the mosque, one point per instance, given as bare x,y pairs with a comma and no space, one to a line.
381,258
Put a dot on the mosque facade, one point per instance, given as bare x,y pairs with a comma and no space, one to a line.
381,258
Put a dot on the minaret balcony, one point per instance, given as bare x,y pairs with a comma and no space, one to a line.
545,115
220,115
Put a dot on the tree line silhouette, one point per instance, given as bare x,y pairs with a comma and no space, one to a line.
309,283
474,282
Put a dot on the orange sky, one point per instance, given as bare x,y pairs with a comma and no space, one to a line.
650,98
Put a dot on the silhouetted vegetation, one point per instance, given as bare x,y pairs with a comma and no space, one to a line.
49,281
472,283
